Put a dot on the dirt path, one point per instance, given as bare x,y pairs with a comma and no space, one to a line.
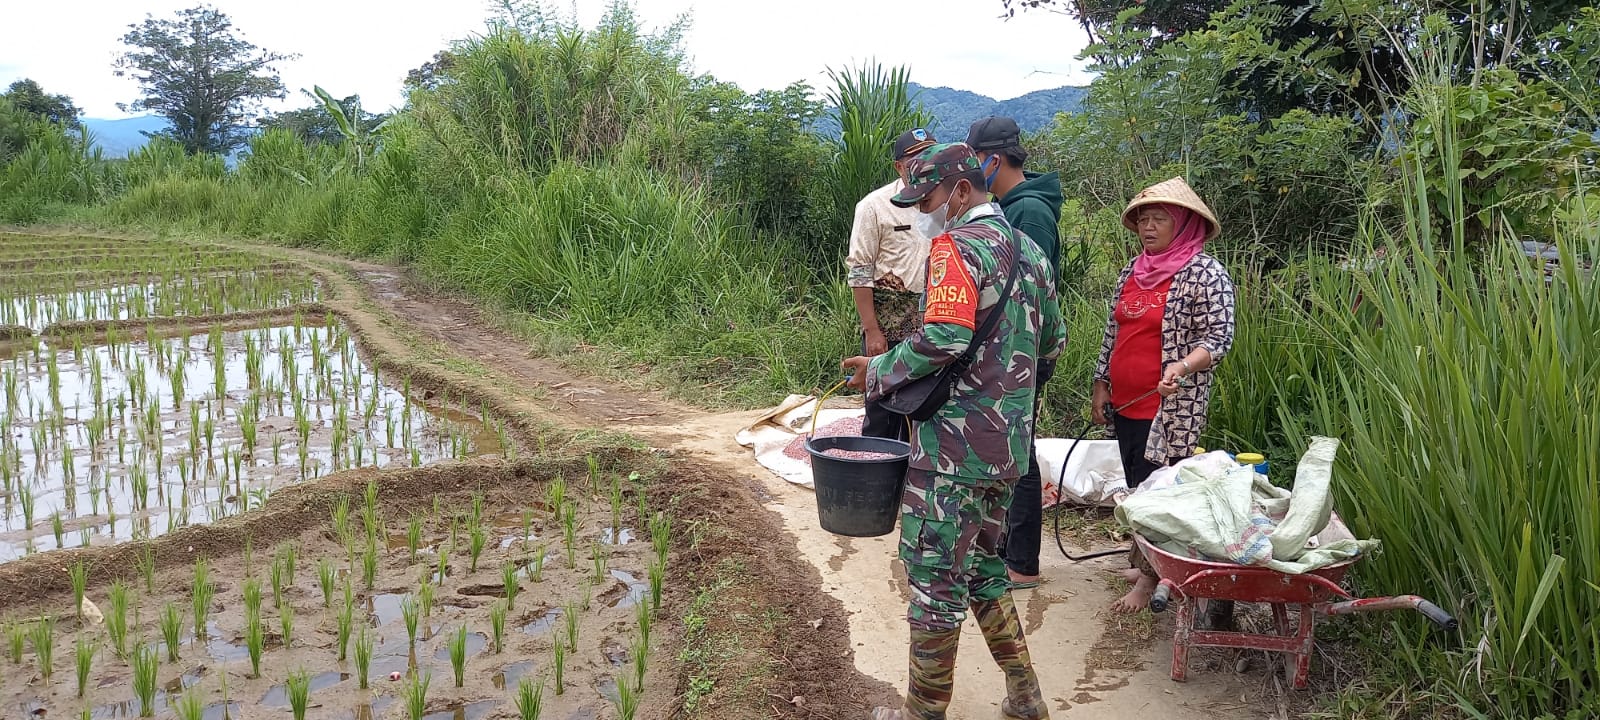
1090,664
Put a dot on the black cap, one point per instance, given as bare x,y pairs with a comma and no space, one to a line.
912,142
994,133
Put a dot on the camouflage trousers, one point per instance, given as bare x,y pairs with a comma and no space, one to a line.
950,532
949,539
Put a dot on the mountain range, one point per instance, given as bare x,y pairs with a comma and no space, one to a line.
953,112
116,138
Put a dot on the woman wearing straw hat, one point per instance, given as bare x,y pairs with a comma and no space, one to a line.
1171,324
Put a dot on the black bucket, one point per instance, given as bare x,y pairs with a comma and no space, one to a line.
858,498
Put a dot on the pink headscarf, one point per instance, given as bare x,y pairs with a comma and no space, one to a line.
1187,241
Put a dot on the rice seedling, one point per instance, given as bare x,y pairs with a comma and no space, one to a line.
599,558
410,612
594,473
425,598
277,581
290,554
555,495
85,661
661,534
191,705
345,618
286,623
341,514
369,565
458,654
443,563
513,585
254,639
325,581
298,688
658,574
569,534
117,619
17,637
252,595
559,665
171,625
627,699
57,528
530,699
79,575
497,624
616,509
641,660
413,537
477,510
147,568
527,528
416,695
476,540
536,567
363,656
571,617
145,664
645,617
25,499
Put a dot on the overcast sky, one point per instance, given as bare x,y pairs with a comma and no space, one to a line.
366,46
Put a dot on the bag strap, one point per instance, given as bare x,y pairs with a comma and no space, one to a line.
987,328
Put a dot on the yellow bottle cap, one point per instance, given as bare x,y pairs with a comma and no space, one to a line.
1199,450
1250,458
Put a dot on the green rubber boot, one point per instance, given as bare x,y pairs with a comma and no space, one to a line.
933,677
1002,630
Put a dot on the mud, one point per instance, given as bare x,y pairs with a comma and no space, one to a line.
602,626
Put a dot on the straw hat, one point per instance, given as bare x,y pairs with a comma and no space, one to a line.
1171,192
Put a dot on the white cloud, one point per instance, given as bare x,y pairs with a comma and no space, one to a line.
366,47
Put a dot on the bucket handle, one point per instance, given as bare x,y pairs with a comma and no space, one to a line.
817,410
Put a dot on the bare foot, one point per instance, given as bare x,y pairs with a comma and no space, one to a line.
1139,597
1132,575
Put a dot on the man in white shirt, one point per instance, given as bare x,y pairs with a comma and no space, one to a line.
887,272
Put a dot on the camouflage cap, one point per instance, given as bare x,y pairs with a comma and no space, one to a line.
934,166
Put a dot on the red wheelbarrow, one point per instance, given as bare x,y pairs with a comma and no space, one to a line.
1315,593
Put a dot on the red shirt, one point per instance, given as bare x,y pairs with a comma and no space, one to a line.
1135,366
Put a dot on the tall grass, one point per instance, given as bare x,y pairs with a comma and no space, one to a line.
1461,390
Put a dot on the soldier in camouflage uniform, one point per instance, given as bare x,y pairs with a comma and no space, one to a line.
966,460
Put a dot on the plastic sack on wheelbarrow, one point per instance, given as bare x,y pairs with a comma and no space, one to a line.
1232,514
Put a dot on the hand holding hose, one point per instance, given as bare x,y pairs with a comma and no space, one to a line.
856,368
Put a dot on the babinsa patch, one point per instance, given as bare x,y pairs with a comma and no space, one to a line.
952,295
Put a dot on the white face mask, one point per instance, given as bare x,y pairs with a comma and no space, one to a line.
933,224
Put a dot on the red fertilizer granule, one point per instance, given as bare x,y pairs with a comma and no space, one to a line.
796,448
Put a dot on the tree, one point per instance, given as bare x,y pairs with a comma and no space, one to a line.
26,96
316,124
198,73
431,73
1357,46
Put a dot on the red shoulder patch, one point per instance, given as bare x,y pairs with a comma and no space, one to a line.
952,295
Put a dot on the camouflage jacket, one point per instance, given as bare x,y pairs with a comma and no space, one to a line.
983,432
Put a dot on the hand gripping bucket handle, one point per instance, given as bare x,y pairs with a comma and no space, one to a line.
856,497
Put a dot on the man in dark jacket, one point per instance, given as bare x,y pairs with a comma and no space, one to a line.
1031,203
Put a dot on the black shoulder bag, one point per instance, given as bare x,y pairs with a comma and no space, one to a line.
922,398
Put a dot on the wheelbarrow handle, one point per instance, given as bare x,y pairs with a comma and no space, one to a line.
1162,596
1398,602
1437,615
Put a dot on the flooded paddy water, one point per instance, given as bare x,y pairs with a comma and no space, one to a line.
134,438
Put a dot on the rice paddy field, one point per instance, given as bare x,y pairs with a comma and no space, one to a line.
158,395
